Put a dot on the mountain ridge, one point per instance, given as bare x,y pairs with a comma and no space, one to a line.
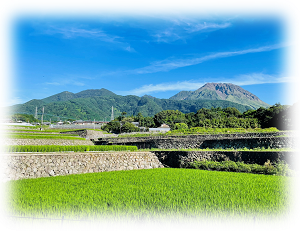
222,91
96,103
66,95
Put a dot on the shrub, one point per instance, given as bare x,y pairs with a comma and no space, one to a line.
283,169
179,126
279,168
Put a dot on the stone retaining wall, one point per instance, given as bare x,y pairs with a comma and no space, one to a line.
88,134
176,159
224,141
34,165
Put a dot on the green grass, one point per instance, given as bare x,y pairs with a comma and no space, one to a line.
150,193
64,148
260,149
201,130
44,136
204,131
37,134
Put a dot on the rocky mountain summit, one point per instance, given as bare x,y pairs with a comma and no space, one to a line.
222,91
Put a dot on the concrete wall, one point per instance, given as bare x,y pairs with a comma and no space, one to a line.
176,159
34,165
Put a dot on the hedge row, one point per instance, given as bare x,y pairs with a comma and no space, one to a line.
74,148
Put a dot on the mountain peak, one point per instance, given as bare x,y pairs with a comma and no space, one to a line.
94,92
222,91
66,95
149,96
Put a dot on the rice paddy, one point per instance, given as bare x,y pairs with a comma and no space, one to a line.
150,193
68,148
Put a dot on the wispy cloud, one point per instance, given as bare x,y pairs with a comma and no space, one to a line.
168,65
75,32
167,35
13,101
241,80
259,78
207,26
180,86
182,30
65,81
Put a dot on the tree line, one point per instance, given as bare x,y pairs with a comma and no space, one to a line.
278,116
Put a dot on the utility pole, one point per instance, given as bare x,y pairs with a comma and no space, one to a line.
42,119
94,124
112,114
35,116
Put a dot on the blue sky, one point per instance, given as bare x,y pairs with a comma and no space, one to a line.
158,56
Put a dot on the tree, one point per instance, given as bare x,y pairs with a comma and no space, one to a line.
178,126
169,117
190,119
113,126
24,118
232,112
128,119
129,127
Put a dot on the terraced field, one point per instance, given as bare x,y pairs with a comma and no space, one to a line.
148,193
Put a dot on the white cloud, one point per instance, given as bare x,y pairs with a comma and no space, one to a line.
167,65
54,83
180,86
207,26
66,82
74,32
181,29
259,78
13,101
245,79
129,48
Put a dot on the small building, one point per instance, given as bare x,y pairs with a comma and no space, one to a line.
162,128
78,122
137,124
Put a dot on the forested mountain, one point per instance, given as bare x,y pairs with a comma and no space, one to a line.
65,96
97,104
222,91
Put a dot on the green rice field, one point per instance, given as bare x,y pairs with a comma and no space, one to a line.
44,136
150,193
67,148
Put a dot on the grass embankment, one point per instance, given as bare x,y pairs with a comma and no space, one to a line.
204,131
155,192
61,148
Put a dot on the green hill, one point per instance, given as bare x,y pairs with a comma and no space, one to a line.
96,104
